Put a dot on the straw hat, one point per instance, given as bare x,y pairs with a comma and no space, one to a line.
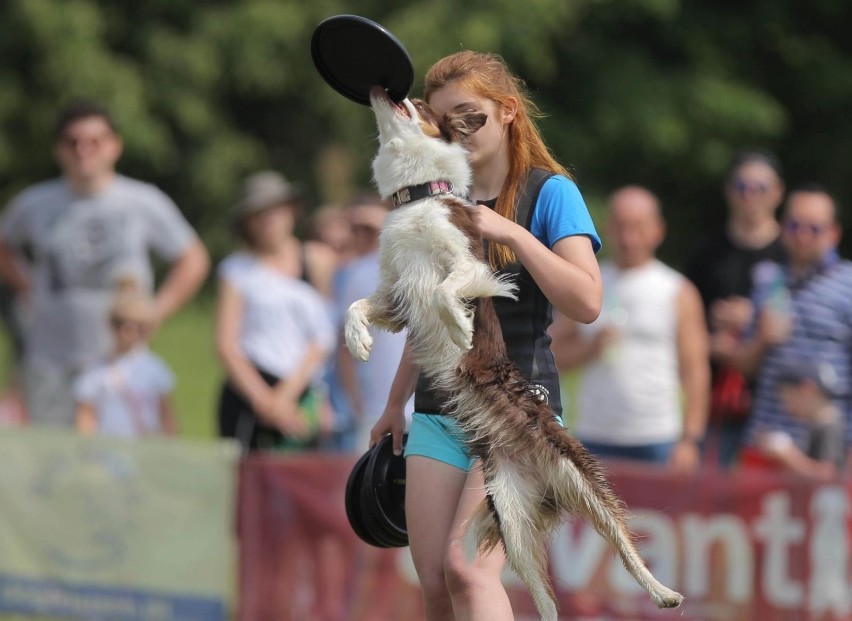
262,190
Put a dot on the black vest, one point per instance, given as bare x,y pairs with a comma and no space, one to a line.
524,323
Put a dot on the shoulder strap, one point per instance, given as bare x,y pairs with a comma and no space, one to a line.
529,196
305,275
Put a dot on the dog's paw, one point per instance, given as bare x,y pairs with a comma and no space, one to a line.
666,598
356,331
457,318
460,330
359,341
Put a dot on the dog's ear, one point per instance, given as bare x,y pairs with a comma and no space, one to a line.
458,126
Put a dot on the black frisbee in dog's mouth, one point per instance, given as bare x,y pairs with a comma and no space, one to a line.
353,54
378,93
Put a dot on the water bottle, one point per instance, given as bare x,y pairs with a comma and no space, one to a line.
615,315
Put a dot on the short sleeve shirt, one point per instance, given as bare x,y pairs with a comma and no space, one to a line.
79,247
821,312
126,393
561,212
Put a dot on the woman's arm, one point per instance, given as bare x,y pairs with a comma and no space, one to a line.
286,413
299,380
568,275
168,420
572,350
392,419
241,372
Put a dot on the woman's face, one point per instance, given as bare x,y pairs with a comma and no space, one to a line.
491,141
267,228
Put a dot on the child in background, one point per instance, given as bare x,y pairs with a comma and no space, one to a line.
806,391
129,394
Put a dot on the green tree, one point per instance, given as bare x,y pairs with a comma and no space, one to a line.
657,92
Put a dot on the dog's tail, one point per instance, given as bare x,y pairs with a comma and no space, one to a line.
582,484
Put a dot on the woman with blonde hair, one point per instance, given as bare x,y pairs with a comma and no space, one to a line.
548,242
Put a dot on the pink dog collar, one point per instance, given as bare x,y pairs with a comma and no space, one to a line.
424,190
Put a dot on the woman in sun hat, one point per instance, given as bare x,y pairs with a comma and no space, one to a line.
273,332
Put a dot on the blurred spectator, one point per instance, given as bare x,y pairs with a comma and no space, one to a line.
366,384
806,392
330,225
80,233
273,332
722,271
129,394
804,312
274,335
644,389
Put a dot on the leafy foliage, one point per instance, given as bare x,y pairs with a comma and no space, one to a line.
657,92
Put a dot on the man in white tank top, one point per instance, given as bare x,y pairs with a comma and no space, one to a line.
645,380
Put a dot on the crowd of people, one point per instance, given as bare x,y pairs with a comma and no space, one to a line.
723,363
743,359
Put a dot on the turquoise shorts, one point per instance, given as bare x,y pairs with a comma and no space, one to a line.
440,438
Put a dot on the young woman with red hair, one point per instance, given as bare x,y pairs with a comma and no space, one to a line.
552,255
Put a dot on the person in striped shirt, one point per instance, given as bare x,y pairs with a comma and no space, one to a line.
803,311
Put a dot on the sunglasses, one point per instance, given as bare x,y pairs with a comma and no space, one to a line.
741,186
794,227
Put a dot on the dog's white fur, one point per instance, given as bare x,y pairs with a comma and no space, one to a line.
428,272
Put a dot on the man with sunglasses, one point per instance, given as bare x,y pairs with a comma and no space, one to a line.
722,271
803,312
66,243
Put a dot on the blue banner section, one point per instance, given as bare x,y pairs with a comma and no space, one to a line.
51,598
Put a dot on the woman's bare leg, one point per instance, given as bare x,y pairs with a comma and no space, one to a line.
474,581
454,585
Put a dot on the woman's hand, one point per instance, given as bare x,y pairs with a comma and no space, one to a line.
288,418
392,421
494,227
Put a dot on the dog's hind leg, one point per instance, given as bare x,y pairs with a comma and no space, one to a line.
590,495
517,508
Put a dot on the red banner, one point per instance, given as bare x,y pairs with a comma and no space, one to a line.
749,546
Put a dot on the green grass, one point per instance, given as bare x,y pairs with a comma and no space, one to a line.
186,343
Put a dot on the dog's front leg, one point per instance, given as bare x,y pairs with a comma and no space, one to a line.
450,301
363,313
356,330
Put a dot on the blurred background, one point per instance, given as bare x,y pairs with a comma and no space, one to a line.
656,92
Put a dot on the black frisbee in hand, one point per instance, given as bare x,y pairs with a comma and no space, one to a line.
375,496
354,54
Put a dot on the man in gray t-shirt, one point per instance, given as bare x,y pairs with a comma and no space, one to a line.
81,234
